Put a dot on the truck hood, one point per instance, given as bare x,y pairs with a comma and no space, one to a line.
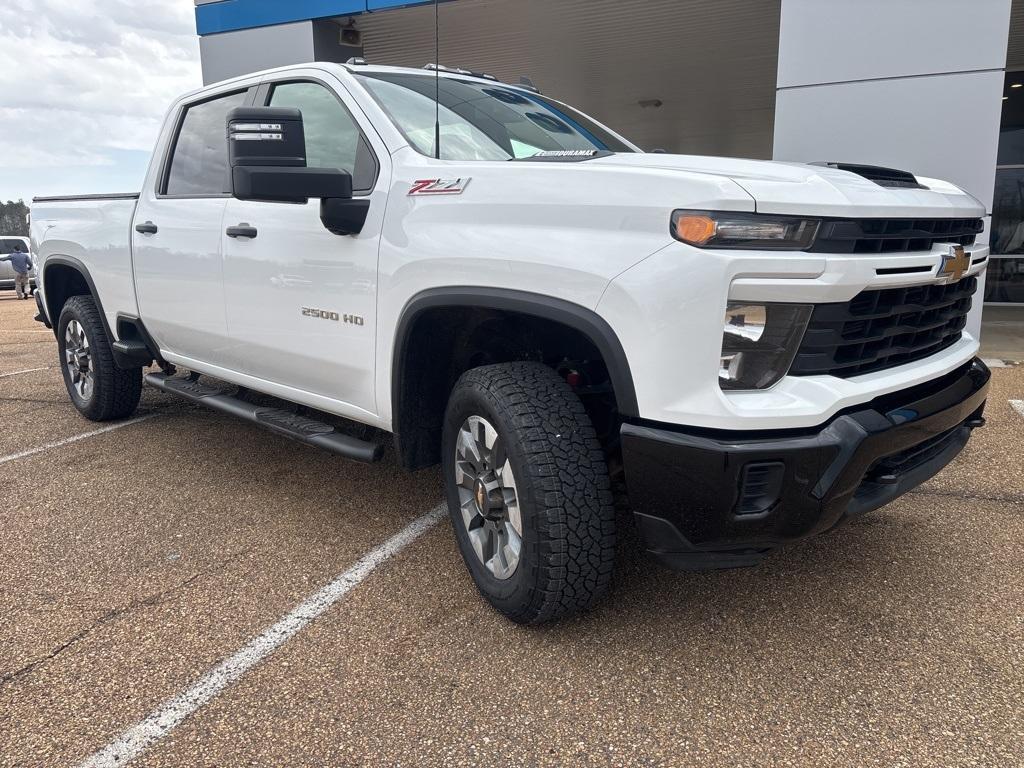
797,188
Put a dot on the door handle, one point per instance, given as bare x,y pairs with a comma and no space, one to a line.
148,228
242,230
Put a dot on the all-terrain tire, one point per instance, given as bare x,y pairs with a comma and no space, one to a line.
561,478
114,392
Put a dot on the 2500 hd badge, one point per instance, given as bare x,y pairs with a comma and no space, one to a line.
324,314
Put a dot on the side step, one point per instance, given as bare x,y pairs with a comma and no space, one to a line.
286,423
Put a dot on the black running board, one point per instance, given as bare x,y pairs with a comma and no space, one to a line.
278,420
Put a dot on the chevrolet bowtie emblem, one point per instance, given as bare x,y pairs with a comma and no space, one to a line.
954,264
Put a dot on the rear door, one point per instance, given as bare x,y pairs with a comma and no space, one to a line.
301,301
176,239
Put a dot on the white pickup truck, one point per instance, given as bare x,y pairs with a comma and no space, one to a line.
761,350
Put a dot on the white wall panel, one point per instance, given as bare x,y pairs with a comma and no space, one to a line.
830,41
249,50
945,127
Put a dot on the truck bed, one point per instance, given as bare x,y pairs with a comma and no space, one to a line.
93,230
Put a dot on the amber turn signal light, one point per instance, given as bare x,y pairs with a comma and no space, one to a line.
695,229
743,230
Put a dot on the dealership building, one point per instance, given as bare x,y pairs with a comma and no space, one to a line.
935,87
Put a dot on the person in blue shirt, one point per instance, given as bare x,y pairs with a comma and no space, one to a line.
22,264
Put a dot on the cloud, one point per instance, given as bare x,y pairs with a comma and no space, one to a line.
82,82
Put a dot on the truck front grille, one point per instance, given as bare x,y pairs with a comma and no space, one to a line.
893,235
877,330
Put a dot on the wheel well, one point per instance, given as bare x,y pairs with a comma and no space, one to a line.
443,342
60,283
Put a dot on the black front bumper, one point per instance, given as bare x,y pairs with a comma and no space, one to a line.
711,499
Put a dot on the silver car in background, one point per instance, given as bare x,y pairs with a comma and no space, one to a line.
6,269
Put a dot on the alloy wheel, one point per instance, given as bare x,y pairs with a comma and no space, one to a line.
487,497
78,359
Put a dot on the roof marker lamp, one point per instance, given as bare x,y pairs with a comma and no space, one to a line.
749,231
759,342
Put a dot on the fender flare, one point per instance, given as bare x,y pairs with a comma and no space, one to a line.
121,359
575,316
81,269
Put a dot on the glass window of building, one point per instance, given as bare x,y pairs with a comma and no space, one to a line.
1005,282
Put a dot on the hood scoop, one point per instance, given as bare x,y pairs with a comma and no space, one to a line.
883,177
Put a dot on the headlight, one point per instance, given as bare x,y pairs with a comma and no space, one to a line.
759,343
753,231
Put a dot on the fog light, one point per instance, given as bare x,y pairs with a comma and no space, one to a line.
759,342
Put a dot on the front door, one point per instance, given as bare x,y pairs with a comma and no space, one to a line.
301,302
176,241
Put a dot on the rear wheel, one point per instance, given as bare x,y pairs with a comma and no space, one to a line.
98,388
528,492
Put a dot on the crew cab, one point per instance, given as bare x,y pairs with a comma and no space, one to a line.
760,351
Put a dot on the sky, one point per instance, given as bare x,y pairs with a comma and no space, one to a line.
84,85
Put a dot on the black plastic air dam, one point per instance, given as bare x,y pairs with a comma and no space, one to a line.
685,485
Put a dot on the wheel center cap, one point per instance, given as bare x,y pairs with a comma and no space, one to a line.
480,495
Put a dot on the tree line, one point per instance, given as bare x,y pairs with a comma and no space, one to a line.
14,218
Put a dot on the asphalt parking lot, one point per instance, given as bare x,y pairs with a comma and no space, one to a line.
137,559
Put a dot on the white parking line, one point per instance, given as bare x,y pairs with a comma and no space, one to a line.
75,439
1018,406
173,712
27,370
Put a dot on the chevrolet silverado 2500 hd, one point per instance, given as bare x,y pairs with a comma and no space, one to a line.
761,350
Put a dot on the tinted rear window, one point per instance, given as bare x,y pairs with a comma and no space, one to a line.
7,244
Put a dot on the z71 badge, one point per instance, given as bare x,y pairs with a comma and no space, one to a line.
439,187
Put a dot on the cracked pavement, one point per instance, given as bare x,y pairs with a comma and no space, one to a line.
114,613
134,561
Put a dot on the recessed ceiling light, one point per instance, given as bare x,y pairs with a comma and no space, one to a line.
1017,85
1005,98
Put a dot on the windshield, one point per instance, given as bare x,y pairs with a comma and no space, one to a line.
481,121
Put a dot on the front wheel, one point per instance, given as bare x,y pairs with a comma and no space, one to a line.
528,492
98,388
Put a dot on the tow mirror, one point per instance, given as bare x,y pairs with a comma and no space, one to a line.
267,155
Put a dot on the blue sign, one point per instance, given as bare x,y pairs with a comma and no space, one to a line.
231,15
